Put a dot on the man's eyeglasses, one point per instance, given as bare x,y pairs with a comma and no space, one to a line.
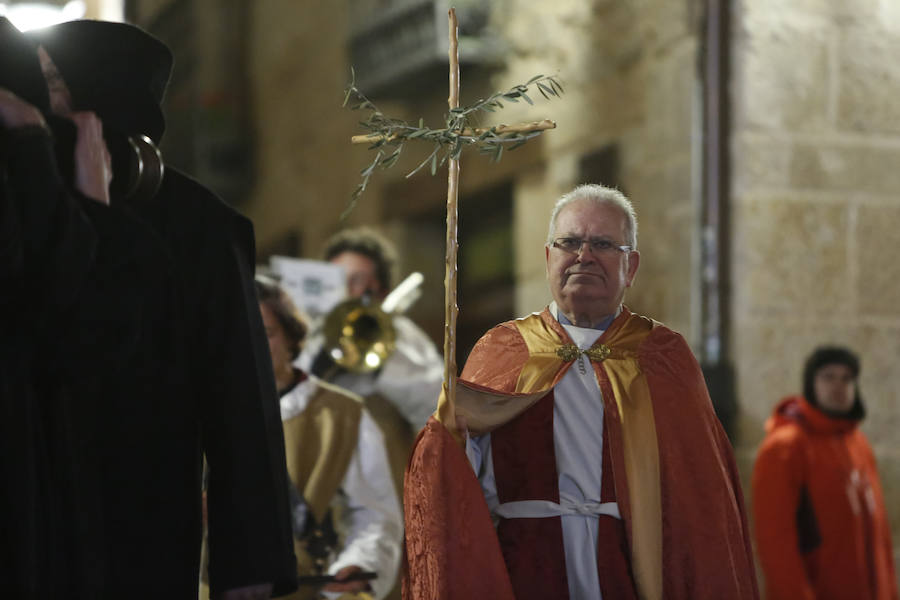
598,246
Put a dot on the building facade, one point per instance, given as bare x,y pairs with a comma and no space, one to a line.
757,139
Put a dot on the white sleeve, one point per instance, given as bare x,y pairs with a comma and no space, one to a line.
411,378
478,451
373,520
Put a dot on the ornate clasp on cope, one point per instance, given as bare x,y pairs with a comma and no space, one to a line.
570,352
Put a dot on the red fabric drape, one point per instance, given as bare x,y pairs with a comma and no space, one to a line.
452,552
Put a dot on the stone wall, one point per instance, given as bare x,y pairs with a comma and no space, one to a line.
815,190
631,82
144,11
630,73
816,207
306,167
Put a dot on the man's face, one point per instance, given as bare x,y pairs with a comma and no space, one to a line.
835,388
589,285
279,346
361,276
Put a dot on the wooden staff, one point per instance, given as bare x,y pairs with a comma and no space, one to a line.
450,309
515,135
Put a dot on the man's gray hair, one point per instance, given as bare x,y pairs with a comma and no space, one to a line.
601,195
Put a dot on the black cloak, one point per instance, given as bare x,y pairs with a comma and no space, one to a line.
164,355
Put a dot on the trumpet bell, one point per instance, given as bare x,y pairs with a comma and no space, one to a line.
359,337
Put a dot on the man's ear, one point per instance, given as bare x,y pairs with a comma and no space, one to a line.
634,261
547,261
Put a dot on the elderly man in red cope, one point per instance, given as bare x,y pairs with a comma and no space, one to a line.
604,469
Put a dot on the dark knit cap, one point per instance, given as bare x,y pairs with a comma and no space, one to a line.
117,70
831,355
20,68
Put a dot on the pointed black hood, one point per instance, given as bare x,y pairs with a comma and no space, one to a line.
20,68
117,70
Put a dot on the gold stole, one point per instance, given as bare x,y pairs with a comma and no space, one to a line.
544,368
319,443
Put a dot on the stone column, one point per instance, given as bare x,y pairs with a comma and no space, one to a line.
816,192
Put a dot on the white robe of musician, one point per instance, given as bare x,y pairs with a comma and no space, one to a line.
372,523
410,379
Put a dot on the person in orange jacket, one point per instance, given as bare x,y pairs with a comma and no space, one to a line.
821,528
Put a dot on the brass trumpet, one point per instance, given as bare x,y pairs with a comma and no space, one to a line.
360,336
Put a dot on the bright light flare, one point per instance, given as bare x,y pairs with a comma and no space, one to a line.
37,15
373,360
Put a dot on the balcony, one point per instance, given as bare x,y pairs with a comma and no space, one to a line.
401,45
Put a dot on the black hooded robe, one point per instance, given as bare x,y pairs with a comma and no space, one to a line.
48,248
163,358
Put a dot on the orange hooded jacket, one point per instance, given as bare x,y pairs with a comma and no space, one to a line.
820,523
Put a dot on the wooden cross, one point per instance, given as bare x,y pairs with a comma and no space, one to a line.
447,409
